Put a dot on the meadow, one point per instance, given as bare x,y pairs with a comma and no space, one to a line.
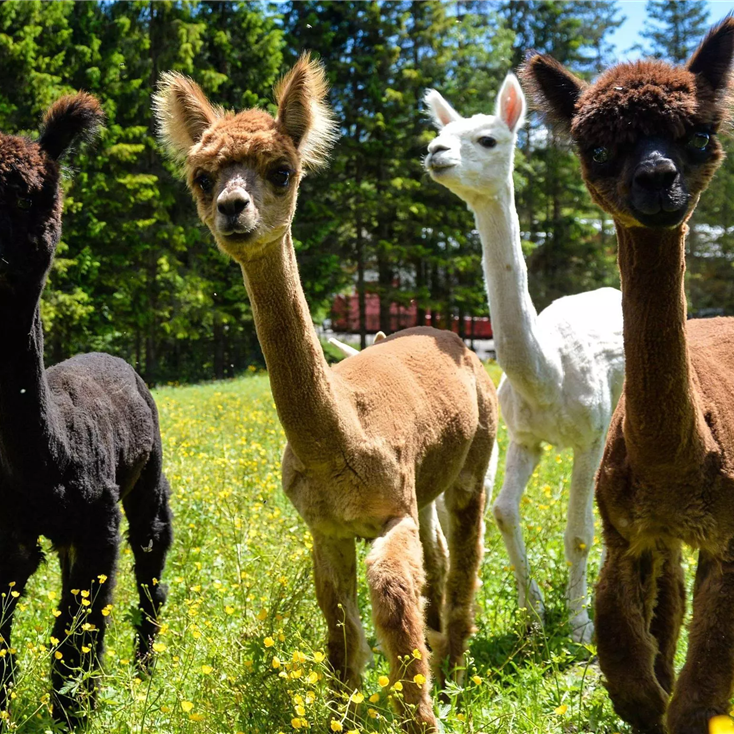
242,643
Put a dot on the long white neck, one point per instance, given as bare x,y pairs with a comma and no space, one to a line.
517,340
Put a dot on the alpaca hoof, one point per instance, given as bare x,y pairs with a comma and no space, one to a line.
691,721
532,610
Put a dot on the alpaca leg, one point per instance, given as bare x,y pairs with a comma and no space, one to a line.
579,537
88,573
465,503
335,574
435,561
670,607
704,686
395,577
625,596
18,561
519,466
150,536
489,480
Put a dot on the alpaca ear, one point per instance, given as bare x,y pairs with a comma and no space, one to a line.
553,88
439,109
183,113
511,106
303,114
69,120
712,59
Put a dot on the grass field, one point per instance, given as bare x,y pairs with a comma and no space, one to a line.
242,648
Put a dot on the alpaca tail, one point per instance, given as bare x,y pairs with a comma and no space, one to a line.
344,348
351,351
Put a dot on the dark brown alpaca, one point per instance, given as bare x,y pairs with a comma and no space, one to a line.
646,137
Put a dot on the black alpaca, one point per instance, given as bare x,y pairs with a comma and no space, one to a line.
74,439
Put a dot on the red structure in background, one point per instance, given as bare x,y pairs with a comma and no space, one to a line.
345,318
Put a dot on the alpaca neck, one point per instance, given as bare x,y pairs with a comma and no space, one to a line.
517,336
663,425
300,378
26,408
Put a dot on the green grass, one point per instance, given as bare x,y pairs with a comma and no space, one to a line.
243,640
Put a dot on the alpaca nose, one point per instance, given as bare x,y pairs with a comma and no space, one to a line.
436,147
233,202
657,175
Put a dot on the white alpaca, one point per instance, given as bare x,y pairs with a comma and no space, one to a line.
563,368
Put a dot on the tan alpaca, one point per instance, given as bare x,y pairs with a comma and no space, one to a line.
371,443
646,134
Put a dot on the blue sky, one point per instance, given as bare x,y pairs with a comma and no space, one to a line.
627,35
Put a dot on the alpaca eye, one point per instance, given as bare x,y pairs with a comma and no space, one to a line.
600,155
24,203
280,177
699,141
205,183
487,142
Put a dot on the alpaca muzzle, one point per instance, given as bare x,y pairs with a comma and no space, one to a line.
658,194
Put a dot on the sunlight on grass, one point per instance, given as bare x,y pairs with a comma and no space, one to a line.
242,645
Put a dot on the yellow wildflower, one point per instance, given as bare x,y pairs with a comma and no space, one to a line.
561,709
722,724
268,642
187,706
419,679
336,725
383,681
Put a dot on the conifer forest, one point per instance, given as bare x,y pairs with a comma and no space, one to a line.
136,274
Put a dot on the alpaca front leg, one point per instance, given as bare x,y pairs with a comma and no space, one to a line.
335,575
150,535
627,650
395,577
88,573
18,561
519,466
578,538
435,561
465,505
667,618
704,686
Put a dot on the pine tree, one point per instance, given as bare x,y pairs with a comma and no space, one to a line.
675,27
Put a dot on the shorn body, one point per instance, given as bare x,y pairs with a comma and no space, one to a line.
563,368
371,443
646,134
75,440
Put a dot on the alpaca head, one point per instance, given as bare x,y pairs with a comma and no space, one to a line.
473,156
243,169
646,132
30,193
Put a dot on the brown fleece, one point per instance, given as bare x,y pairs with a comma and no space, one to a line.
667,476
371,443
